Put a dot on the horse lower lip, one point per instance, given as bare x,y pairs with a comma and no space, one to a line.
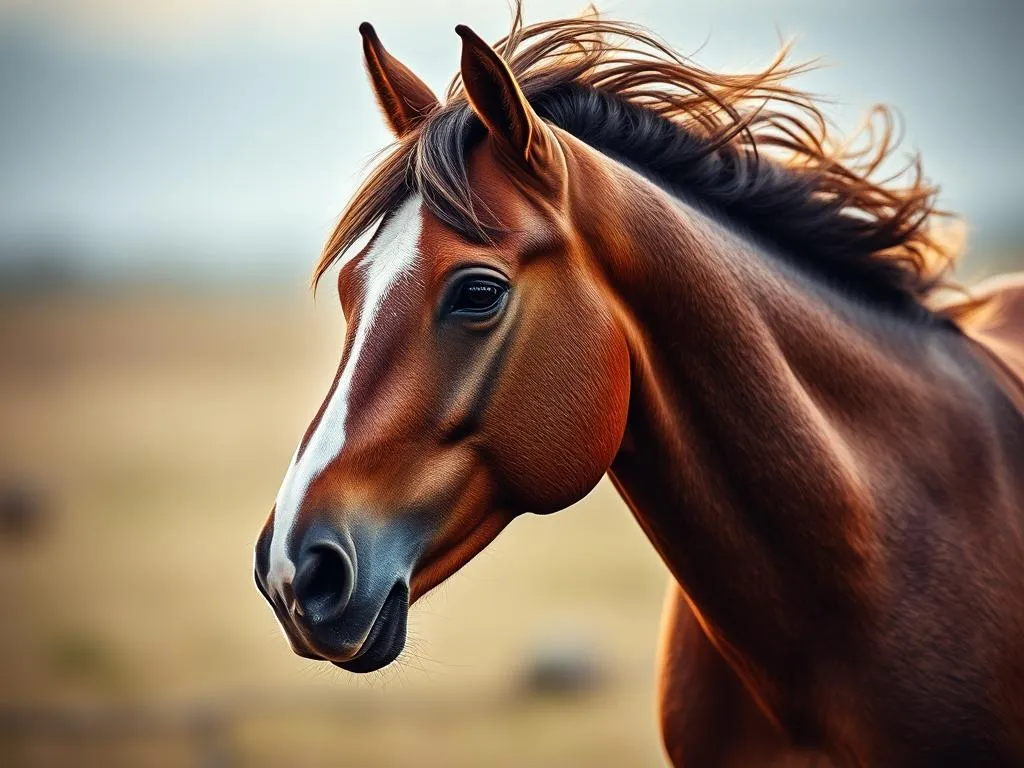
387,636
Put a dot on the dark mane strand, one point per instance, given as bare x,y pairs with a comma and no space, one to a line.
749,147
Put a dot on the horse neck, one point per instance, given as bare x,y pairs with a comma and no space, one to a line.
753,402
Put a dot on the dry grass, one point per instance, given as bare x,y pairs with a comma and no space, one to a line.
157,428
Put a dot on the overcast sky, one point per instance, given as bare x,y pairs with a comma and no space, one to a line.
220,136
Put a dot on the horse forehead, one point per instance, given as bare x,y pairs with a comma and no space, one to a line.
395,249
396,237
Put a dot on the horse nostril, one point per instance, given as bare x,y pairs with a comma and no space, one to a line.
323,583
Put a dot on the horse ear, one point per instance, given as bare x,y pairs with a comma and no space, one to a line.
497,100
404,99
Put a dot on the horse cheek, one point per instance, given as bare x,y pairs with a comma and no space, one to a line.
564,410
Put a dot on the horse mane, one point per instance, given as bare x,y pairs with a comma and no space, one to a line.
748,146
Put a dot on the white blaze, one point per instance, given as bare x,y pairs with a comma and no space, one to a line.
393,252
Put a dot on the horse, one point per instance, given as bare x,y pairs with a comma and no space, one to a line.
596,257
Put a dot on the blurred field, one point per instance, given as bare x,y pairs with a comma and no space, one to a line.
152,431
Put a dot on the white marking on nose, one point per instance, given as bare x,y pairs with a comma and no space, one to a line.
392,253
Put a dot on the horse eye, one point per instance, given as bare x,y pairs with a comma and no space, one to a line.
477,298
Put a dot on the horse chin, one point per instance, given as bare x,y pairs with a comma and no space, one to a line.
386,639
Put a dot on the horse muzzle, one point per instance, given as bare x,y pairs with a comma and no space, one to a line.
347,601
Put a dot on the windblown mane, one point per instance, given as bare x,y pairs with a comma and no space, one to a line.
749,146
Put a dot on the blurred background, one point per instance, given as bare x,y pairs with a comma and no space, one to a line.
168,171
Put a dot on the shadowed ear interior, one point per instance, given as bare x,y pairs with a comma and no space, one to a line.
404,99
498,101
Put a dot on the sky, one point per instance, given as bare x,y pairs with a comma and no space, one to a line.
221,138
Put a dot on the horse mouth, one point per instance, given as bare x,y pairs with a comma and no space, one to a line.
386,639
